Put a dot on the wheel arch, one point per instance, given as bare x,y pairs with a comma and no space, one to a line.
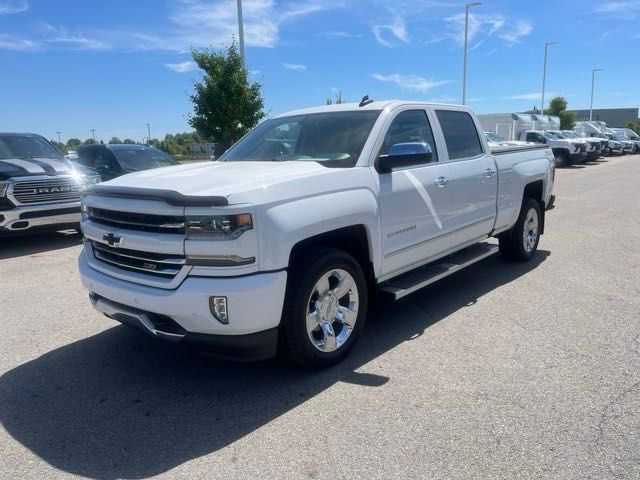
535,190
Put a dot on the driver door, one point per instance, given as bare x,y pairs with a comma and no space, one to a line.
415,201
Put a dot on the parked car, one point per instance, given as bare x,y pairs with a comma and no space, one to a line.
630,136
565,151
626,146
593,147
282,242
495,140
38,188
113,160
601,144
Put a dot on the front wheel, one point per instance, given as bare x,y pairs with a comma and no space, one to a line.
521,242
325,309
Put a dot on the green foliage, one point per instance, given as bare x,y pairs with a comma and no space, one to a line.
177,144
635,126
558,108
128,141
73,143
556,105
89,141
337,100
115,140
60,146
226,105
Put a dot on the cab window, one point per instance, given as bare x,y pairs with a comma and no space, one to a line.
460,134
410,126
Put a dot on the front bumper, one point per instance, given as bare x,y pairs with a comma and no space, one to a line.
26,217
255,305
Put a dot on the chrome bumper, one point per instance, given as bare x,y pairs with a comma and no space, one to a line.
25,217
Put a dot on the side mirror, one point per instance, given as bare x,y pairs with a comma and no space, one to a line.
404,155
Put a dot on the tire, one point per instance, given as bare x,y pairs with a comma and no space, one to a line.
312,335
521,242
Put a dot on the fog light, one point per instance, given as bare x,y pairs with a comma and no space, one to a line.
218,307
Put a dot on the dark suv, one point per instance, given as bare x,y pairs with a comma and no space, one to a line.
113,160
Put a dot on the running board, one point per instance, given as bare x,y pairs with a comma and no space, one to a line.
416,279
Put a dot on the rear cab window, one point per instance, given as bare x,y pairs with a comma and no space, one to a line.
460,134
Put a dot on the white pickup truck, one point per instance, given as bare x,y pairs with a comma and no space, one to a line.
280,245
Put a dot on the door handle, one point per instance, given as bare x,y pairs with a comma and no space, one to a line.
441,181
489,172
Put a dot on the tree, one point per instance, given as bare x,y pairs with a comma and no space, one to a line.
635,126
73,143
60,146
338,99
558,108
115,140
225,103
89,141
128,141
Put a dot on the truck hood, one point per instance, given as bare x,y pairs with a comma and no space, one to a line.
239,182
26,167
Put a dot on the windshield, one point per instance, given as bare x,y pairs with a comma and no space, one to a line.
26,146
145,158
551,135
570,135
333,138
493,137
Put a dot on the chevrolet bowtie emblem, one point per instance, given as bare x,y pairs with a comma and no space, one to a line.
112,240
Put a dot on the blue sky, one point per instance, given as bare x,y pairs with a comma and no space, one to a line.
113,66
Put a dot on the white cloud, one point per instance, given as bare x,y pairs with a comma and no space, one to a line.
8,8
11,42
617,7
511,31
294,66
339,34
76,41
387,34
200,23
182,67
514,33
410,82
531,96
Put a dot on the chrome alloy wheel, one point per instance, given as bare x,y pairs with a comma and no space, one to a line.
530,230
332,310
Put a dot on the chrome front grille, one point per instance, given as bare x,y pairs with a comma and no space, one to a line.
159,264
137,221
28,192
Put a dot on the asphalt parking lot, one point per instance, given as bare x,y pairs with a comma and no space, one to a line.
501,371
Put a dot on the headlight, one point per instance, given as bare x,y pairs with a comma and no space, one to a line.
218,227
3,188
84,210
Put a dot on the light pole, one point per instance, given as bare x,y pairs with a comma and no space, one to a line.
93,134
241,32
466,35
544,74
593,81
148,133
59,137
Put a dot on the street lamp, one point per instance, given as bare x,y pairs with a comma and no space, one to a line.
93,134
59,137
466,35
148,133
241,32
593,80
544,73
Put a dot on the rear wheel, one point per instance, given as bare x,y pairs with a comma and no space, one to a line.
325,309
521,242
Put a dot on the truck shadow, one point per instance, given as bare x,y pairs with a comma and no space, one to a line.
14,245
120,405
